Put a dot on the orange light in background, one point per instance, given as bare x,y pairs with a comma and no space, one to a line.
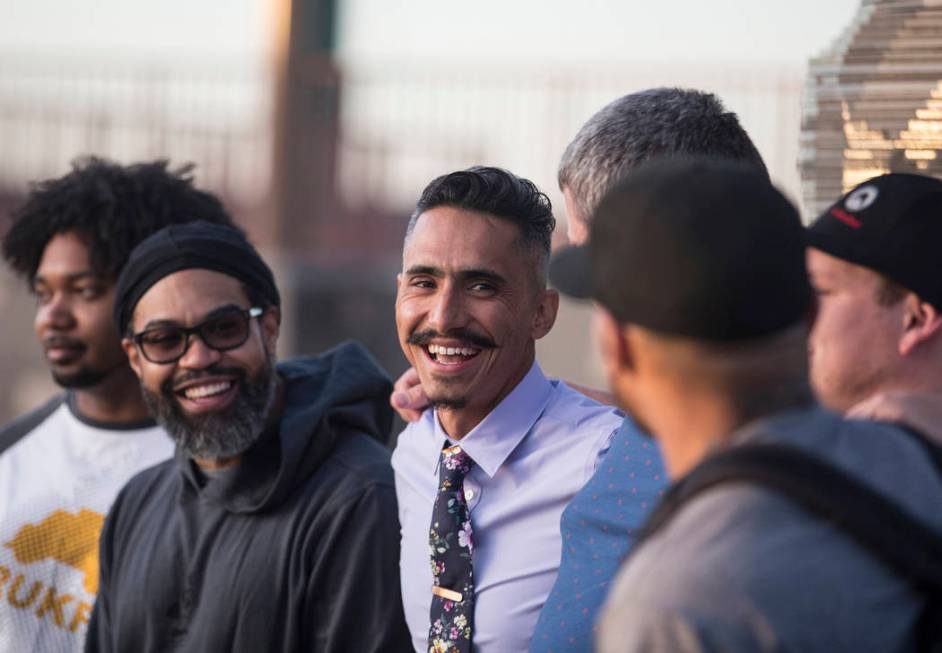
279,19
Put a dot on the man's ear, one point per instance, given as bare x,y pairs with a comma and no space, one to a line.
613,343
921,322
545,316
134,356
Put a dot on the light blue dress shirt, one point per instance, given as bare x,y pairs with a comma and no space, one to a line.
532,453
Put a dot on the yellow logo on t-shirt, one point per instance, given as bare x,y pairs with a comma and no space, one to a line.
71,539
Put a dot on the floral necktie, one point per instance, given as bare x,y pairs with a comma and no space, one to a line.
450,547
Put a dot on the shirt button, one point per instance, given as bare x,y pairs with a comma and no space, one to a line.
468,494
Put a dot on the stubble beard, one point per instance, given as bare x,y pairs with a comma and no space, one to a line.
223,434
84,377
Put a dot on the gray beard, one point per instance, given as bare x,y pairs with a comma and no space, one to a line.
225,434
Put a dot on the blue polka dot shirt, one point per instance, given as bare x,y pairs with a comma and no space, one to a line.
598,528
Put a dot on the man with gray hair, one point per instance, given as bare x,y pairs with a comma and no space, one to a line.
601,522
658,122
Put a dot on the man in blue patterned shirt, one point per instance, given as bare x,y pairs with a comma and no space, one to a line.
599,525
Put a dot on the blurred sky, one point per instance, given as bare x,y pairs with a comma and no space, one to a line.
783,32
752,52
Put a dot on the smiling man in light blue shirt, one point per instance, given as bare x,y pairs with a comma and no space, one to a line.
472,301
600,523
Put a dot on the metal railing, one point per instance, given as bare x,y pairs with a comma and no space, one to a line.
217,115
402,122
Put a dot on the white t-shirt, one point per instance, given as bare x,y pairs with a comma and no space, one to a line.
57,483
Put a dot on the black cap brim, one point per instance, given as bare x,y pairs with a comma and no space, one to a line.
571,273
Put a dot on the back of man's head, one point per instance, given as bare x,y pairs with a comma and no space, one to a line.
655,123
111,207
703,263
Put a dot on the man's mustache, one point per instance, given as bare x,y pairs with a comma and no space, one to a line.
423,338
62,341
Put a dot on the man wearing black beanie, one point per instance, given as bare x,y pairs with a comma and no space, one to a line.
274,528
704,307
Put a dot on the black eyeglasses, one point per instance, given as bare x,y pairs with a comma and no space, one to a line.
222,332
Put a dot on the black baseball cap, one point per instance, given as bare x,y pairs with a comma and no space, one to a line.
891,224
702,249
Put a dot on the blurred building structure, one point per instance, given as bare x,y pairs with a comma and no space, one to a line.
321,158
873,101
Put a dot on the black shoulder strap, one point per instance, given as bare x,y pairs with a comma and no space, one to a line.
908,546
18,428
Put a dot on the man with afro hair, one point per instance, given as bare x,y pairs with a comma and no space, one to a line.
62,465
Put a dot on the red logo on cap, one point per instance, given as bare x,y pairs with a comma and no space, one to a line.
845,217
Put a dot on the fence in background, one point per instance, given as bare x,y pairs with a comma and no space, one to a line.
402,123
214,114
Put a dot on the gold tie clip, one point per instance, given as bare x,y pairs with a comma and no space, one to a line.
450,595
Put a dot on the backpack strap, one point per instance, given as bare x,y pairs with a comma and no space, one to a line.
909,547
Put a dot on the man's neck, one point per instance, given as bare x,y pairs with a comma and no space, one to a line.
689,434
114,400
458,422
695,428
921,378
917,408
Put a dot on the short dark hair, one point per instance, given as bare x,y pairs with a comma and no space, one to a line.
112,207
499,193
889,293
658,122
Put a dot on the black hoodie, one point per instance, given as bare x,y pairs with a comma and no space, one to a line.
296,550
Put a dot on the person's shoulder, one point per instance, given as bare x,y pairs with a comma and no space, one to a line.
633,625
345,372
355,476
881,454
363,457
412,441
722,542
579,411
356,467
146,486
713,551
722,564
724,518
20,427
